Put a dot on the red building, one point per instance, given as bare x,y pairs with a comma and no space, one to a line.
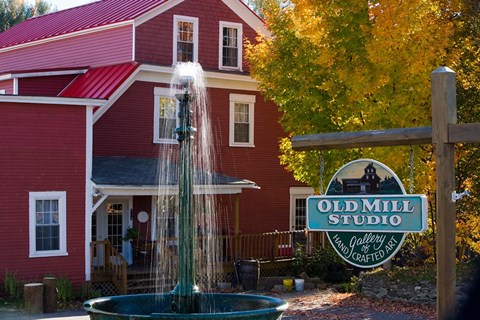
83,99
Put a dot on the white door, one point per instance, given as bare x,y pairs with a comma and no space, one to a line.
111,221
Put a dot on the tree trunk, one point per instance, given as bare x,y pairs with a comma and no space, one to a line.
33,293
49,295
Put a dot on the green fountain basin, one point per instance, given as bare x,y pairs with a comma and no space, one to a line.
212,306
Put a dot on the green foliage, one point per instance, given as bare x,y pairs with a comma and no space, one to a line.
64,289
335,66
13,287
324,263
87,292
131,234
13,12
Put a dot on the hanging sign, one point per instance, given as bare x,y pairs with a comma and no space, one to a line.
366,213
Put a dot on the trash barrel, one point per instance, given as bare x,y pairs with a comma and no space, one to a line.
249,273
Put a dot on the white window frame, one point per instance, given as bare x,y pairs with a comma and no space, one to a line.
61,196
239,27
246,99
297,193
161,92
2,91
194,20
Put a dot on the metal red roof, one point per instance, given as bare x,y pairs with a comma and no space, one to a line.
92,15
99,83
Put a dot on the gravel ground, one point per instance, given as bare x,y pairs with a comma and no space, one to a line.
329,304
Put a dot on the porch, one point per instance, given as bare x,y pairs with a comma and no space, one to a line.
274,250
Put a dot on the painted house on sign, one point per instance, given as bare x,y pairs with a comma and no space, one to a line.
84,100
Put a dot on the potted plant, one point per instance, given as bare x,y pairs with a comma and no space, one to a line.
131,234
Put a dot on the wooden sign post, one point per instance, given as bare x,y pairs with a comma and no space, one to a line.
444,133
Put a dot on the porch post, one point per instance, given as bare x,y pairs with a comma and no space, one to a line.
236,222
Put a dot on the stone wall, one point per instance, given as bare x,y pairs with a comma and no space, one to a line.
379,286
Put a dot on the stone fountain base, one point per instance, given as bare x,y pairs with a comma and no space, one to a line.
212,306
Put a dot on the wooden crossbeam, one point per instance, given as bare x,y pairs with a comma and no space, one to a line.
457,133
359,139
464,133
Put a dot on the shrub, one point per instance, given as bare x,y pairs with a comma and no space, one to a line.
64,289
88,292
13,287
327,265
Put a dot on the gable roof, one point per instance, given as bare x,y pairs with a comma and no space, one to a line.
102,14
88,16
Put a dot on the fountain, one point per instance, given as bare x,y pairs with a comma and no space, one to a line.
186,301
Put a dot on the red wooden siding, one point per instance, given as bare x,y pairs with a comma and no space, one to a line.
7,85
142,203
108,47
266,209
126,129
154,39
42,149
44,86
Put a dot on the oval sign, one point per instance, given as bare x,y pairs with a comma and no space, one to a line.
366,213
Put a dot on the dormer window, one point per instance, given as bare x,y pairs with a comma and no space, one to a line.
230,52
185,44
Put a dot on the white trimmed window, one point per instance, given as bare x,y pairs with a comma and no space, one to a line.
48,224
230,51
2,91
241,120
185,39
298,207
165,116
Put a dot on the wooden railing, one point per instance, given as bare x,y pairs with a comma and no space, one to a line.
279,245
109,264
268,246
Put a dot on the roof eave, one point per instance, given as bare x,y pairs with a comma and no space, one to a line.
145,190
52,100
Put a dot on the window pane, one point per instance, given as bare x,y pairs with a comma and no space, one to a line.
167,118
185,41
242,131
230,47
48,238
300,214
241,118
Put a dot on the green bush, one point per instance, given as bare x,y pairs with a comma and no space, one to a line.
322,263
64,290
327,265
88,292
13,287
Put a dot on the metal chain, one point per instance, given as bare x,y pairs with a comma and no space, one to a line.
322,170
412,155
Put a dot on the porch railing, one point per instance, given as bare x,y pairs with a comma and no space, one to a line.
109,264
268,246
279,245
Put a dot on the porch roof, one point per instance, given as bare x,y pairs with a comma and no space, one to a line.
120,175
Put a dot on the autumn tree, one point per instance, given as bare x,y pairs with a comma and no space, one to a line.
333,66
13,12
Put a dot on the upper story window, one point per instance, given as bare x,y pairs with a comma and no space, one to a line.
48,223
185,44
230,53
241,120
165,116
